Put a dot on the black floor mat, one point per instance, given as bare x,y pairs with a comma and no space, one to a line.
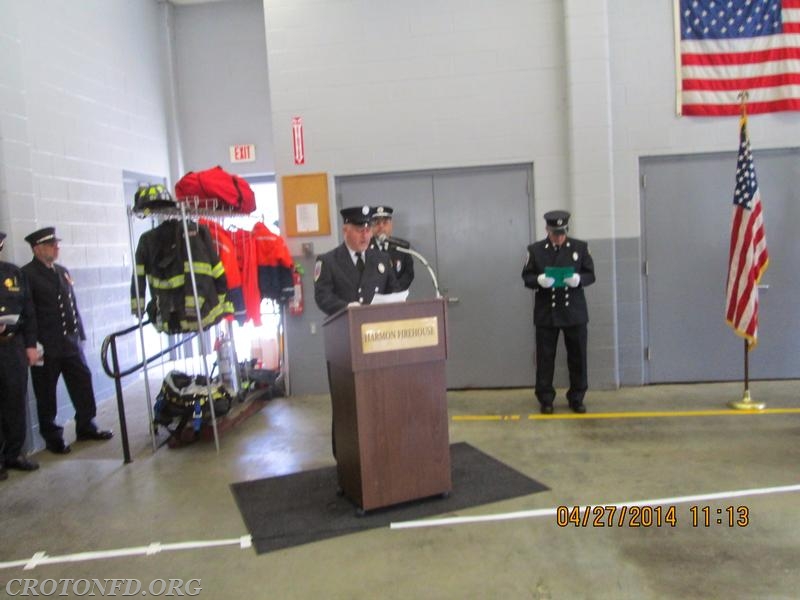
290,510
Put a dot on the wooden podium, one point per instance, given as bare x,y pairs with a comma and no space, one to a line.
386,369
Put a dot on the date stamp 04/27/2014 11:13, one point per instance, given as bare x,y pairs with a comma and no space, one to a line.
668,515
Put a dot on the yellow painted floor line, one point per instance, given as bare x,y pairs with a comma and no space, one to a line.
633,415
487,418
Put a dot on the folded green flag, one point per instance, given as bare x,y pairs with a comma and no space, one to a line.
559,274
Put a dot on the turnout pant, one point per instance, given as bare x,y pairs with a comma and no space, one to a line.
575,339
78,379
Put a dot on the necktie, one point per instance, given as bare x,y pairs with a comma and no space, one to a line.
359,262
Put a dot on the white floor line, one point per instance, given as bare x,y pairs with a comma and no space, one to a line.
41,558
546,512
245,541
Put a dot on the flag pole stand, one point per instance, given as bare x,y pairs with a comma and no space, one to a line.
746,403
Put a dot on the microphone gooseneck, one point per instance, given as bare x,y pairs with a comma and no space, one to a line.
393,242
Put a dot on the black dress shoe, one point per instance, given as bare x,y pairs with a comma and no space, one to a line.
547,409
58,447
96,434
20,463
578,407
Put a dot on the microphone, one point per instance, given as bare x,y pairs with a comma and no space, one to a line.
393,241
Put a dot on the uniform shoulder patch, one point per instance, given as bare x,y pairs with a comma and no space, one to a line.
317,269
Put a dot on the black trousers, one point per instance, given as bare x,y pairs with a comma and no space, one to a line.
13,390
78,379
575,339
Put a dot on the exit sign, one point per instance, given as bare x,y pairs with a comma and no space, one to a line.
243,153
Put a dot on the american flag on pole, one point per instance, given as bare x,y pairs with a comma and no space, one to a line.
748,257
729,46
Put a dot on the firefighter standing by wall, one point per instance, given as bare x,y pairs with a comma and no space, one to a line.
17,351
560,306
60,331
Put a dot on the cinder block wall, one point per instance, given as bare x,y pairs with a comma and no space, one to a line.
81,99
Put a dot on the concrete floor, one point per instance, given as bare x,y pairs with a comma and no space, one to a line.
90,502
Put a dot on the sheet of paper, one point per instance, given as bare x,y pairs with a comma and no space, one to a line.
307,216
389,298
559,274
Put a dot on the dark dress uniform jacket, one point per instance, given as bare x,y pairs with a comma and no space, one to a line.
59,325
337,281
403,265
559,307
15,299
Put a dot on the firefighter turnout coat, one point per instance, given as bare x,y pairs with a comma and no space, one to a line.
163,263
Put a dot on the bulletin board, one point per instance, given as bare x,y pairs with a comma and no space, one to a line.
305,205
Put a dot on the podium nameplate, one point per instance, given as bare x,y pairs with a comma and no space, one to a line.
404,334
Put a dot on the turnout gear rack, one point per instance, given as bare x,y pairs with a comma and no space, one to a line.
188,211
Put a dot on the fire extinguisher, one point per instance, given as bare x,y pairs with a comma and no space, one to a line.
296,305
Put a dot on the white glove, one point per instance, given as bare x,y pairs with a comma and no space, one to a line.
545,281
573,280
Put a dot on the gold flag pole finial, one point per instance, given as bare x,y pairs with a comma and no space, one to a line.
743,96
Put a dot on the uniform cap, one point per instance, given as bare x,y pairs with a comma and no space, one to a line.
383,212
557,220
357,215
40,236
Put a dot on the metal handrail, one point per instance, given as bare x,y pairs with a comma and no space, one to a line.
111,342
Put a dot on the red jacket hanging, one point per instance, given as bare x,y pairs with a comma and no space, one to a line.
227,254
248,268
275,264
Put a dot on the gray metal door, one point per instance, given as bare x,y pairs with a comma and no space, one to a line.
687,208
472,225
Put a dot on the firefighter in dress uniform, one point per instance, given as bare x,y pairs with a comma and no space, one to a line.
559,307
60,331
17,352
352,273
402,262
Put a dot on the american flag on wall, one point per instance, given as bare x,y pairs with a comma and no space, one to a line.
730,46
748,257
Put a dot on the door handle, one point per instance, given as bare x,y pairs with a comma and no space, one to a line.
764,286
452,300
